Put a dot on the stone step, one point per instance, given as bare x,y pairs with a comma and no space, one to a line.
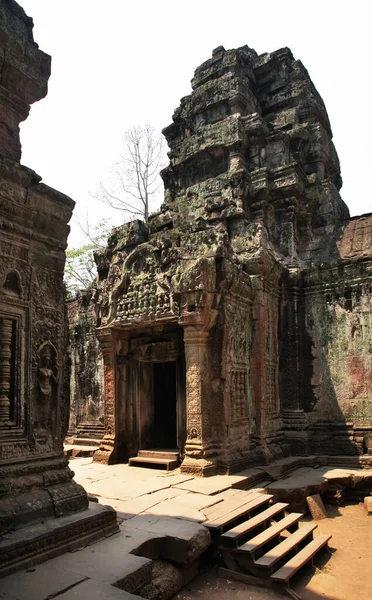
77,451
270,533
97,433
235,536
221,522
142,461
20,549
170,454
96,590
271,557
84,441
89,433
299,560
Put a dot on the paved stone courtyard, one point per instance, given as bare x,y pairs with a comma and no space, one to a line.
160,515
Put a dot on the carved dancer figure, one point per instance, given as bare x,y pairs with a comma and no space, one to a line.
47,384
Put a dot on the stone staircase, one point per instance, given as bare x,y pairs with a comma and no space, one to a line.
90,431
260,542
85,441
167,459
293,419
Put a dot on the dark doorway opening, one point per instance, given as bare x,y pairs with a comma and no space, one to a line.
165,410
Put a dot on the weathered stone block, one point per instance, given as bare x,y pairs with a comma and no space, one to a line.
316,507
185,541
368,504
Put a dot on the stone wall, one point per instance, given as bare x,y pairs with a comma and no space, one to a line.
335,342
36,481
86,365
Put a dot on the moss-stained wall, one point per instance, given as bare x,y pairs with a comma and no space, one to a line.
86,364
340,326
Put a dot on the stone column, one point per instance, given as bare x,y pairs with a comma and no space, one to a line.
5,369
290,346
258,362
199,449
108,443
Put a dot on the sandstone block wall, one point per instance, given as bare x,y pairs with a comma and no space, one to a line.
86,364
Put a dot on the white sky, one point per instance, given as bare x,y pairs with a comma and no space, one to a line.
119,63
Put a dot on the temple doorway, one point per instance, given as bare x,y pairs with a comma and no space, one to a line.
152,386
165,405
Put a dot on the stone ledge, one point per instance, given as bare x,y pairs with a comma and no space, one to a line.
334,484
184,541
39,542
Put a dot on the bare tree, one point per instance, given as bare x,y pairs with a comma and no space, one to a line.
135,181
80,267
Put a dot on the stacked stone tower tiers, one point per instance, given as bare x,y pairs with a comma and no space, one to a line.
36,481
218,319
252,144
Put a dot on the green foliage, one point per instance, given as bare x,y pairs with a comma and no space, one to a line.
80,268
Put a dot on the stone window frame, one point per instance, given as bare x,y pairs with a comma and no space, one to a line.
18,311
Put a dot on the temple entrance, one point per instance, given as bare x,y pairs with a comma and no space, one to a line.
155,391
165,405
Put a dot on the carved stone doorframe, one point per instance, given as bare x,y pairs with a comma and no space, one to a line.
145,357
108,348
199,448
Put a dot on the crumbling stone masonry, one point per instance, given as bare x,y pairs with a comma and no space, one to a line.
236,327
86,369
36,483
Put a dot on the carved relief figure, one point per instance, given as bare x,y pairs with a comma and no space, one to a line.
47,380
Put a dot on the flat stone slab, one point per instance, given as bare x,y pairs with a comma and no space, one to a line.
108,561
176,478
195,501
185,540
126,489
177,509
280,467
303,477
38,583
136,506
213,485
95,590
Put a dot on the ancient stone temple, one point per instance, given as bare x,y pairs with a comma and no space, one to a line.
236,326
36,484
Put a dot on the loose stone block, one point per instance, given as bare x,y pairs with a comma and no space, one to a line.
368,504
316,507
185,541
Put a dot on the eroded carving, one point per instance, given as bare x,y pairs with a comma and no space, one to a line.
48,390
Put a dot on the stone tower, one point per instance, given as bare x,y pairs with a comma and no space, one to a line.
36,482
204,316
